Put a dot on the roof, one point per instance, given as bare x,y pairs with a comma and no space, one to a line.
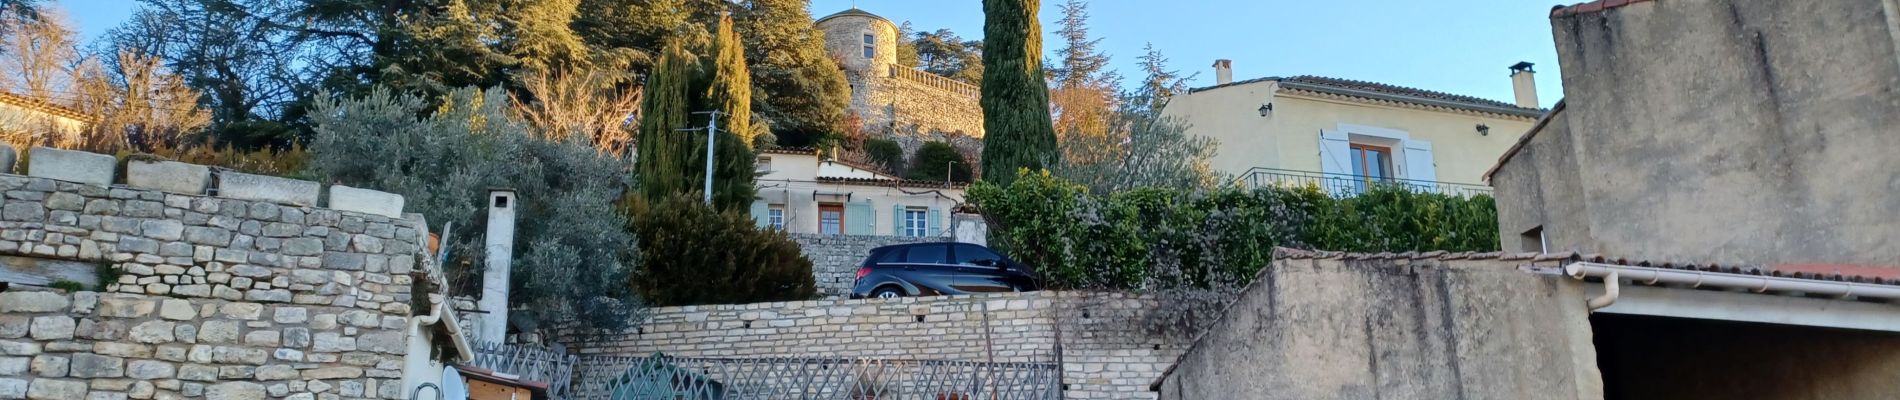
1590,7
802,151
911,183
1380,91
854,11
1525,139
1834,273
43,106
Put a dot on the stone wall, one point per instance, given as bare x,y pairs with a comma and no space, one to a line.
215,297
1106,352
835,258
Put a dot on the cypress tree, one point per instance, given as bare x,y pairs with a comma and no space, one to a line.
672,161
1017,130
663,109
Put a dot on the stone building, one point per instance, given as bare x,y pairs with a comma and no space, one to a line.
1342,134
895,101
259,291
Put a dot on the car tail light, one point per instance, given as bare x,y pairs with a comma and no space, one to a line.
862,271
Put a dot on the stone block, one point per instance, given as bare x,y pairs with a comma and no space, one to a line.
366,201
234,391
168,176
11,388
233,185
31,302
53,327
87,365
54,389
7,156
72,166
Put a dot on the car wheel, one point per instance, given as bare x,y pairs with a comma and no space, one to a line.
887,293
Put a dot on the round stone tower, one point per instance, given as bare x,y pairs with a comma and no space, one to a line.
865,42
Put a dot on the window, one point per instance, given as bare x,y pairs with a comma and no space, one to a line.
870,45
927,254
831,219
775,217
1370,164
916,221
1532,241
762,164
969,254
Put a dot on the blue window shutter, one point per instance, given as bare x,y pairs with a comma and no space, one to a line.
897,220
935,222
859,219
761,214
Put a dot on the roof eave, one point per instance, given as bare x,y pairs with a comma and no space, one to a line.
1512,111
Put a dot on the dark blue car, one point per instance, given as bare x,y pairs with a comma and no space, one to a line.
939,268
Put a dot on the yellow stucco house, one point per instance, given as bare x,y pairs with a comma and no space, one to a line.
26,120
803,193
1344,134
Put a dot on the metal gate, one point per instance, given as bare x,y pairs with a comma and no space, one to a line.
675,378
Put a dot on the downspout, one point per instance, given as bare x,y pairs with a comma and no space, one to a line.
1610,291
460,343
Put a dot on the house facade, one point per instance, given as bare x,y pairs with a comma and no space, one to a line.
802,193
23,117
1341,133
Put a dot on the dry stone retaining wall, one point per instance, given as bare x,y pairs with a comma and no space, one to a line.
218,298
1106,352
835,258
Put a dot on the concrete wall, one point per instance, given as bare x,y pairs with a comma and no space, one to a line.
217,298
835,258
1288,138
1107,355
1720,131
1395,328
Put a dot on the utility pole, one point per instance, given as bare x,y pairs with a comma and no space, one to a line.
712,134
949,169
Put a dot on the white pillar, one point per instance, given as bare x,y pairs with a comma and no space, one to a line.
500,250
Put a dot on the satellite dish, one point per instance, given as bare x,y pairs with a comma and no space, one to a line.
453,387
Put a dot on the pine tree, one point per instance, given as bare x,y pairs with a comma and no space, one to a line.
1015,101
801,90
1083,94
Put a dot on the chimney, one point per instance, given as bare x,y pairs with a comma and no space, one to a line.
1223,71
1523,83
500,251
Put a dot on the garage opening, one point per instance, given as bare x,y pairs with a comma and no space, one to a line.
1648,357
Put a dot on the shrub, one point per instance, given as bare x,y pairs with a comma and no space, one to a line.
573,252
886,153
1154,238
936,160
692,254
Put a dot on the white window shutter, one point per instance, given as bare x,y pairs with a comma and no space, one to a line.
1419,165
1335,152
761,212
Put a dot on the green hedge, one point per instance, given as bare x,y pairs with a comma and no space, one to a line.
1169,237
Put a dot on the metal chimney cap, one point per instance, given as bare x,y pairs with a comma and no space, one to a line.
1524,66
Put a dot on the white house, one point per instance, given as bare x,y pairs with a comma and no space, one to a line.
803,193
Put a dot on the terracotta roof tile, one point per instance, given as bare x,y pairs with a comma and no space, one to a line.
44,106
803,151
1825,272
1385,92
910,183
1590,7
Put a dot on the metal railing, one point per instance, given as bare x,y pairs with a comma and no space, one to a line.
531,363
675,378
1345,185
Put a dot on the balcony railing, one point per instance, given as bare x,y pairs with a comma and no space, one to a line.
1350,185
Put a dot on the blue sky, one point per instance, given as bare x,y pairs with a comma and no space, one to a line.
1459,46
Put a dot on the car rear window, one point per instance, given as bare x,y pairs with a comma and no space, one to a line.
968,254
886,256
927,254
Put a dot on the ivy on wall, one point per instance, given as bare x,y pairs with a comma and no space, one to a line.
1165,237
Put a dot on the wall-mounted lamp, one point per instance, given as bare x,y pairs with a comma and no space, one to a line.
1266,109
1484,130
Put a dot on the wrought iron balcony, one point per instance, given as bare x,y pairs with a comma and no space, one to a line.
1350,185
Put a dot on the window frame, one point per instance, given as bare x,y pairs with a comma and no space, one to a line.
916,222
831,207
775,216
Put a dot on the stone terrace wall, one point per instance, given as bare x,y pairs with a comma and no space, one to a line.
220,298
835,258
1107,355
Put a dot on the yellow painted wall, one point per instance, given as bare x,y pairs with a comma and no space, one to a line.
1288,138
